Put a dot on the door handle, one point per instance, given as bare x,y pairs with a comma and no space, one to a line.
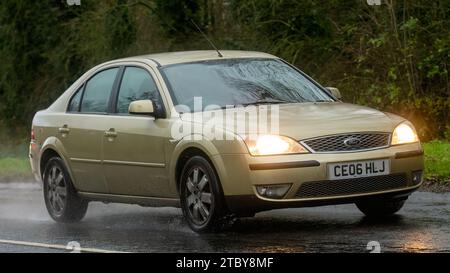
64,129
110,133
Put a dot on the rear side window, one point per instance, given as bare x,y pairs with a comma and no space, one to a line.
97,92
74,105
137,84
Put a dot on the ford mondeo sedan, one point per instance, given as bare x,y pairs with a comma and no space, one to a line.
133,131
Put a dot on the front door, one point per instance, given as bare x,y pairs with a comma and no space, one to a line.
134,146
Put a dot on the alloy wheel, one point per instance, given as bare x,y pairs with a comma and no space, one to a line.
56,190
199,196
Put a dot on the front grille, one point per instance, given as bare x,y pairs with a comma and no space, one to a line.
361,185
348,142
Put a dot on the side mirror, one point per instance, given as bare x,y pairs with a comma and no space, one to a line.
335,92
141,107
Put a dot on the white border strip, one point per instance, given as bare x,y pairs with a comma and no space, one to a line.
53,246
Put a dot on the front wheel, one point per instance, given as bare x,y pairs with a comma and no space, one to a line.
380,208
62,202
201,196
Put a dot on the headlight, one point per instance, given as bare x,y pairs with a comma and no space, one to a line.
273,145
404,133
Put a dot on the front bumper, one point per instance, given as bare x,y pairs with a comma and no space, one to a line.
247,205
240,173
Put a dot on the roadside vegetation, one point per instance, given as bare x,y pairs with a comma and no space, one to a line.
15,169
14,163
437,161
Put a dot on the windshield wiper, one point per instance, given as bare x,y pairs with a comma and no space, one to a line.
258,102
270,101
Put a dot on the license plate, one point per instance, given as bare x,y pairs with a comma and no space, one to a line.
356,169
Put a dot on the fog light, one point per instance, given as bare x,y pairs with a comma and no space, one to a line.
416,177
273,191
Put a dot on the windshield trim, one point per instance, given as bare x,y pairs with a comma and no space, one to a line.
311,80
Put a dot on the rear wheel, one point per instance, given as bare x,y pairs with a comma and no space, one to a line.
62,202
380,208
201,197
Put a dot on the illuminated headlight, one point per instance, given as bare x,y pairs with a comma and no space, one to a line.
404,133
273,145
273,191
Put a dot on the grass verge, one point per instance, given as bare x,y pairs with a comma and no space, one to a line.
15,169
14,163
437,165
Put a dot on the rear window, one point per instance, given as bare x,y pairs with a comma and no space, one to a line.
74,105
97,92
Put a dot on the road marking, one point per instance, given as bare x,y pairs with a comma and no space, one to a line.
53,246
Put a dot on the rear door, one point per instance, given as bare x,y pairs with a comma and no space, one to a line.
82,131
134,146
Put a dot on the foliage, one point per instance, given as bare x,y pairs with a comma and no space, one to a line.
394,57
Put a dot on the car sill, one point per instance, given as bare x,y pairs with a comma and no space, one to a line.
131,199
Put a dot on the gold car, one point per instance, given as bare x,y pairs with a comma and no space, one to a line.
133,131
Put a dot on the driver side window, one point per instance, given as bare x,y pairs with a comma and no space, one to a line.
137,84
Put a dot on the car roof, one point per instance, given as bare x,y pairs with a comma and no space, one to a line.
169,58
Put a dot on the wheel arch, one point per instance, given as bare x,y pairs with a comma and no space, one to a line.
52,147
184,150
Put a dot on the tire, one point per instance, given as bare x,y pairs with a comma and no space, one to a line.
380,208
62,201
201,197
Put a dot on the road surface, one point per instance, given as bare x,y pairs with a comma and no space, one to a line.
423,225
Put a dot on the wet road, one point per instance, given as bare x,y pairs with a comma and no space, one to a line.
423,225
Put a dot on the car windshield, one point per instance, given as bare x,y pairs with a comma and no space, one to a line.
221,83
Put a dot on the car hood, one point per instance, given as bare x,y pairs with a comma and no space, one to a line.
304,120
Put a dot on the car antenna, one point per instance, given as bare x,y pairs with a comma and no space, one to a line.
206,37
